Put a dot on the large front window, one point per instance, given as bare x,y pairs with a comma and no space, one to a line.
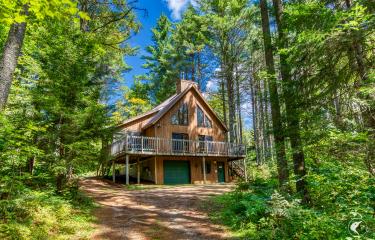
181,116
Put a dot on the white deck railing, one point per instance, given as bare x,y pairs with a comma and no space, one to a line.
161,146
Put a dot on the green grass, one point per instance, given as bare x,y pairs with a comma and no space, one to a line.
41,214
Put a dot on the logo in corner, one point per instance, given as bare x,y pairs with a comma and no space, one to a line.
356,226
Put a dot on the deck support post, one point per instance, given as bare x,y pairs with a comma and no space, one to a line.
244,169
127,168
204,170
156,171
138,172
113,171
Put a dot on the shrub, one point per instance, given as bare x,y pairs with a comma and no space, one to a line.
339,193
41,214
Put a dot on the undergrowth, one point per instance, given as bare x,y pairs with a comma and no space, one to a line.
35,211
341,195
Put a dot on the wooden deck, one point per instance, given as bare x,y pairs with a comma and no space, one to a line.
141,145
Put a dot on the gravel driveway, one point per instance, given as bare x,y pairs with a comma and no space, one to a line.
153,213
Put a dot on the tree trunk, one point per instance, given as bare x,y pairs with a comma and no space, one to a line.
199,71
238,98
282,164
193,67
83,22
269,154
261,121
8,62
30,165
60,182
291,106
224,105
255,122
231,104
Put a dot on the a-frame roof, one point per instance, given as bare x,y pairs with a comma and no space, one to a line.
159,111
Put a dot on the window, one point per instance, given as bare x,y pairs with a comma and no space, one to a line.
205,143
208,167
202,119
208,122
181,116
180,142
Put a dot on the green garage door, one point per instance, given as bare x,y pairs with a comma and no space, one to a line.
176,172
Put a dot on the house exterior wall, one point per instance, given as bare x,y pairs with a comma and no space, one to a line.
196,172
164,128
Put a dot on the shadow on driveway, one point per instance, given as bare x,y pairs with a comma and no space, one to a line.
154,213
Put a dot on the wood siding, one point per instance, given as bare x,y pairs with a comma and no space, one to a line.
164,128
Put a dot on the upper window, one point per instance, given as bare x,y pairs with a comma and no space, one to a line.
181,116
202,119
208,122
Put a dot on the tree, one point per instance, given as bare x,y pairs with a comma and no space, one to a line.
228,25
291,107
189,41
17,14
162,74
135,102
274,97
64,73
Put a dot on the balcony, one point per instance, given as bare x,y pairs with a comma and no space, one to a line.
140,145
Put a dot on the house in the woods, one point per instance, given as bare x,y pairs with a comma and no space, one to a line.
180,141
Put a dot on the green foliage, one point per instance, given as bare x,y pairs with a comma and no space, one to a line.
40,214
26,10
162,75
340,193
56,118
135,101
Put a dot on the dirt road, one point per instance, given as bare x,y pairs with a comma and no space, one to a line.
157,213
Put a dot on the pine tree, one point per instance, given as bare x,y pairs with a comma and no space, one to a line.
162,73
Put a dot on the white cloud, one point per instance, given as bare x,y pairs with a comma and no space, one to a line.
210,85
178,6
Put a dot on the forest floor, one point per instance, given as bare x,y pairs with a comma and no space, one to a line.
174,213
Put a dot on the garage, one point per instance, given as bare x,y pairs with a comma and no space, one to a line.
176,172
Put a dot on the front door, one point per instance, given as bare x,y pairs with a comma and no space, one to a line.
220,172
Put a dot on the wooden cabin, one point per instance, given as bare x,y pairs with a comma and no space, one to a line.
180,141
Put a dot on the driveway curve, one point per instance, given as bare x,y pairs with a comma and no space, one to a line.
163,212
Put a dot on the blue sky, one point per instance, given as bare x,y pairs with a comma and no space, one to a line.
155,8
173,10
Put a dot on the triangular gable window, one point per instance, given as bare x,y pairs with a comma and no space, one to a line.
181,116
202,119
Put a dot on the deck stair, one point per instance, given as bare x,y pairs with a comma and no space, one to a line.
237,169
